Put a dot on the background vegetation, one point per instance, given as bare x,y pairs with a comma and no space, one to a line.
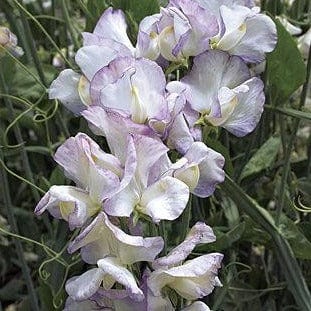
261,214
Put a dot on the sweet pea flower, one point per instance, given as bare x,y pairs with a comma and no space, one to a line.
201,168
120,89
112,26
182,29
245,32
121,300
98,176
107,42
125,87
113,250
165,198
8,41
221,89
194,278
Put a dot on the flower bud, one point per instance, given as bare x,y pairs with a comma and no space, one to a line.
9,41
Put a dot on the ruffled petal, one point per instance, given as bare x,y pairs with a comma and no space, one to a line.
90,167
248,110
108,239
84,286
260,36
69,203
112,25
165,199
65,88
197,306
123,276
93,57
194,279
199,233
149,151
115,128
121,87
147,38
211,71
123,203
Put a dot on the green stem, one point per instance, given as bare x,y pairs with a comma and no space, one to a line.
185,219
286,258
74,39
291,112
287,166
31,44
19,249
45,32
24,155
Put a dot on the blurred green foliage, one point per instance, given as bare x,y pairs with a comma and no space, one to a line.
261,219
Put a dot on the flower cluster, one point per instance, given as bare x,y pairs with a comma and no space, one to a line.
122,196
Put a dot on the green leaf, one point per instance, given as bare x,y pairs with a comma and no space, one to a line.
264,158
301,246
24,85
138,8
95,8
223,240
285,67
284,252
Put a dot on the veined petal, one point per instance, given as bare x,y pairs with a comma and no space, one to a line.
197,306
93,39
199,233
90,167
69,203
194,279
260,37
86,305
113,267
149,151
115,128
248,109
202,169
112,25
121,87
165,199
147,38
235,26
65,88
93,57
211,174
84,286
203,23
123,203
107,239
211,71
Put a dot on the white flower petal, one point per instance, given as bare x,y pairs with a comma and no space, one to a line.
165,199
69,203
112,25
195,279
84,286
65,88
92,58
123,276
199,233
197,306
107,239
